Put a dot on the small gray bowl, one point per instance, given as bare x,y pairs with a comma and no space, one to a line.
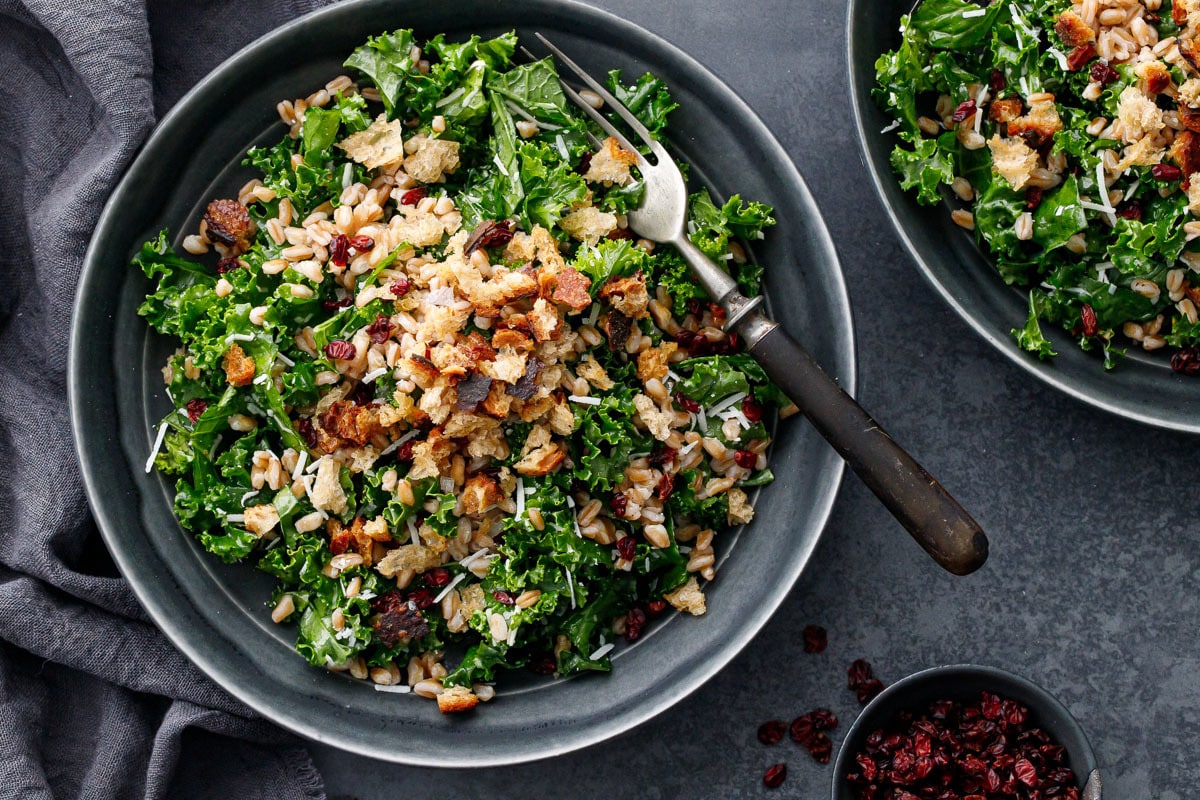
965,682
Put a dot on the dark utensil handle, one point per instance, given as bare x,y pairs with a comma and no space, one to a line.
924,508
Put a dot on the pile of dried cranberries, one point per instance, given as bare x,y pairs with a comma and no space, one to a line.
985,750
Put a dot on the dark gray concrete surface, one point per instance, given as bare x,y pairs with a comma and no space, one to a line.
1091,590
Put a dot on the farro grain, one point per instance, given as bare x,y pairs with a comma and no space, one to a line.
283,609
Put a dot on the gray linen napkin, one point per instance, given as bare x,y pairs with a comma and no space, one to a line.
94,702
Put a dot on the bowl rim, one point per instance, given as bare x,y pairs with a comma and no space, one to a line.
87,445
1047,704
1002,344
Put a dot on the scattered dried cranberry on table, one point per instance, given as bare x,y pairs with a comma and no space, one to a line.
863,681
984,750
815,639
774,776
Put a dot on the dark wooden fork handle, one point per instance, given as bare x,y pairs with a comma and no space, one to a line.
924,508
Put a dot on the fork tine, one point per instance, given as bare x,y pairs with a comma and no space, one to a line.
603,122
599,118
635,125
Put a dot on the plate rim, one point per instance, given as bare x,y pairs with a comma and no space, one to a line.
1002,344
88,441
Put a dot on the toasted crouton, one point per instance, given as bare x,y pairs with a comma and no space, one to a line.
657,421
1014,160
1139,115
544,321
455,699
327,494
1039,123
542,461
239,367
1189,92
228,222
416,557
588,224
571,289
628,295
1155,76
1005,110
1185,151
740,511
479,494
381,144
260,519
688,598
591,371
433,159
1073,31
610,164
654,362
1143,153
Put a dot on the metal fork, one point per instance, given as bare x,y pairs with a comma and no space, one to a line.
923,507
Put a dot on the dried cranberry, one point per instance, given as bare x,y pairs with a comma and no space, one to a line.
997,82
421,598
771,731
815,639
824,719
774,776
503,598
585,163
655,608
1131,210
308,433
802,728
543,666
400,287
334,305
414,196
627,547
363,244
666,486
437,577
380,329
684,338
1080,56
663,455
1166,172
340,349
869,691
965,110
752,410
635,622
820,748
1102,73
693,306
858,673
339,250
195,407
228,264
1033,198
990,706
687,403
1087,317
619,503
405,451
746,459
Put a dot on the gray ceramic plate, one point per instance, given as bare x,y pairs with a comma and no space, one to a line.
1143,387
216,613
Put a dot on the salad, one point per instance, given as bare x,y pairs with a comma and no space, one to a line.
1067,136
430,381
